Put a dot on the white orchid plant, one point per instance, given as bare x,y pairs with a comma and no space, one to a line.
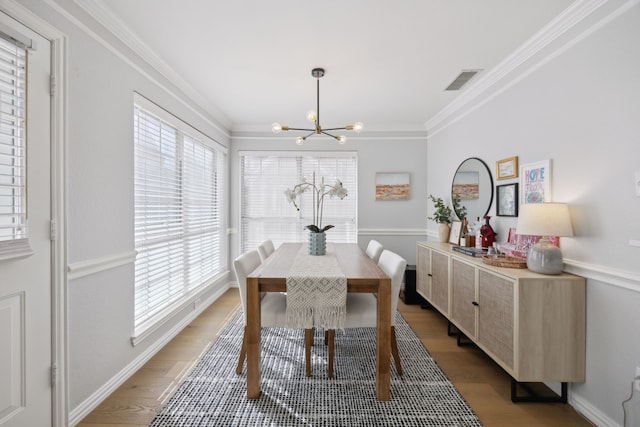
319,193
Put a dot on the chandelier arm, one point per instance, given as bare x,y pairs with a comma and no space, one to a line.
343,128
304,129
328,134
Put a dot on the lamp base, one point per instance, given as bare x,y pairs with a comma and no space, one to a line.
545,258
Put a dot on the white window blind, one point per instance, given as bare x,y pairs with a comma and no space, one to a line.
267,214
179,233
13,185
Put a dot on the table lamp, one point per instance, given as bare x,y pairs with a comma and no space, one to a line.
544,219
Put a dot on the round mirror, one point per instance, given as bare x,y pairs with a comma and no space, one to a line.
473,183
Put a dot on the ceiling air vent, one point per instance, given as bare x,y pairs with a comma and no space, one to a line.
462,79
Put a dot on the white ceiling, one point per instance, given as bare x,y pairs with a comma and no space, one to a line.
387,62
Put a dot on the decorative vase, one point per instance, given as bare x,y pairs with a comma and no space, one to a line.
443,233
317,243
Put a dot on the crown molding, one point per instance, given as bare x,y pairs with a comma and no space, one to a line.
369,135
542,46
97,10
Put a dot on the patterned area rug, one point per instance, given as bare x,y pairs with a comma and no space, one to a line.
213,395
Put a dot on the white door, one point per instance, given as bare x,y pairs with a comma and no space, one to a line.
25,283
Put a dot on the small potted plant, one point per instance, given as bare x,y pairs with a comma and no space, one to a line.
442,216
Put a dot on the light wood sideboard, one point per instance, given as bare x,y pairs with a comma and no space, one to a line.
530,324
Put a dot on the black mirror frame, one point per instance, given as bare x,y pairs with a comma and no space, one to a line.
490,186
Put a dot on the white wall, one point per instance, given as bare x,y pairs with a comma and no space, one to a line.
579,107
398,225
100,241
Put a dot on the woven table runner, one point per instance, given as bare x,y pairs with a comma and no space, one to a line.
316,291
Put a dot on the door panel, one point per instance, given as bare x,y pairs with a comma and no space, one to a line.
25,283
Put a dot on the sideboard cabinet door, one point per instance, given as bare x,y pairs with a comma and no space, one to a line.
423,270
496,316
440,281
463,297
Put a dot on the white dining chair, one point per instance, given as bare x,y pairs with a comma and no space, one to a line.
265,249
374,249
362,308
273,307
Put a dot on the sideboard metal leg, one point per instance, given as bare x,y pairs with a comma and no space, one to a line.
536,398
449,331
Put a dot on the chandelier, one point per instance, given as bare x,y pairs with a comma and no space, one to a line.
314,116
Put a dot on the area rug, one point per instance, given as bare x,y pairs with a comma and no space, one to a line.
213,395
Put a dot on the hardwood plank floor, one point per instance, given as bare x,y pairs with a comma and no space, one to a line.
482,383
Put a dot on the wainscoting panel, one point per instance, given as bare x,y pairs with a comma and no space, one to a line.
12,355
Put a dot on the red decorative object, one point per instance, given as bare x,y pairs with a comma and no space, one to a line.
488,235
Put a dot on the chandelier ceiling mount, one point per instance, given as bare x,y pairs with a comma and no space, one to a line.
314,116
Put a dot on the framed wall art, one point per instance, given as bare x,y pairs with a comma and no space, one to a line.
507,200
535,182
393,185
454,235
507,168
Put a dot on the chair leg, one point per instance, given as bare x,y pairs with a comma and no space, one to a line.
326,337
243,352
394,350
308,339
330,335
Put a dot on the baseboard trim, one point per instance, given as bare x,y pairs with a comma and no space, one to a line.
77,414
590,412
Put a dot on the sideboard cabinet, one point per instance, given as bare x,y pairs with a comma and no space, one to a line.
532,325
432,281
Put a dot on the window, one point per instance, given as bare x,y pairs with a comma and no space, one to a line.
267,214
179,233
13,194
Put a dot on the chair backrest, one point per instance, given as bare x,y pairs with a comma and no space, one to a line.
265,249
374,249
393,266
243,265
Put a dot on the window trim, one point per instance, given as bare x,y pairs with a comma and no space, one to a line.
157,320
291,154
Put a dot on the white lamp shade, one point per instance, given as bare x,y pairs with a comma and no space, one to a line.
544,219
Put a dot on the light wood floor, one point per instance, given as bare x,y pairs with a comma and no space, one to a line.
483,384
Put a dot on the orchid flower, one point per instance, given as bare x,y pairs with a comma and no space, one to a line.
320,191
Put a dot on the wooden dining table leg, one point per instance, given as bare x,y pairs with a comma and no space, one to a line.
253,338
383,341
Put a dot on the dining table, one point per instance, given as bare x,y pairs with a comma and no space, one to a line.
363,276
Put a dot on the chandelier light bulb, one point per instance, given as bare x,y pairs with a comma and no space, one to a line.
300,140
312,116
276,128
342,139
358,126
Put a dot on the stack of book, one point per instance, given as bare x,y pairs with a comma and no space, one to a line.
475,252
